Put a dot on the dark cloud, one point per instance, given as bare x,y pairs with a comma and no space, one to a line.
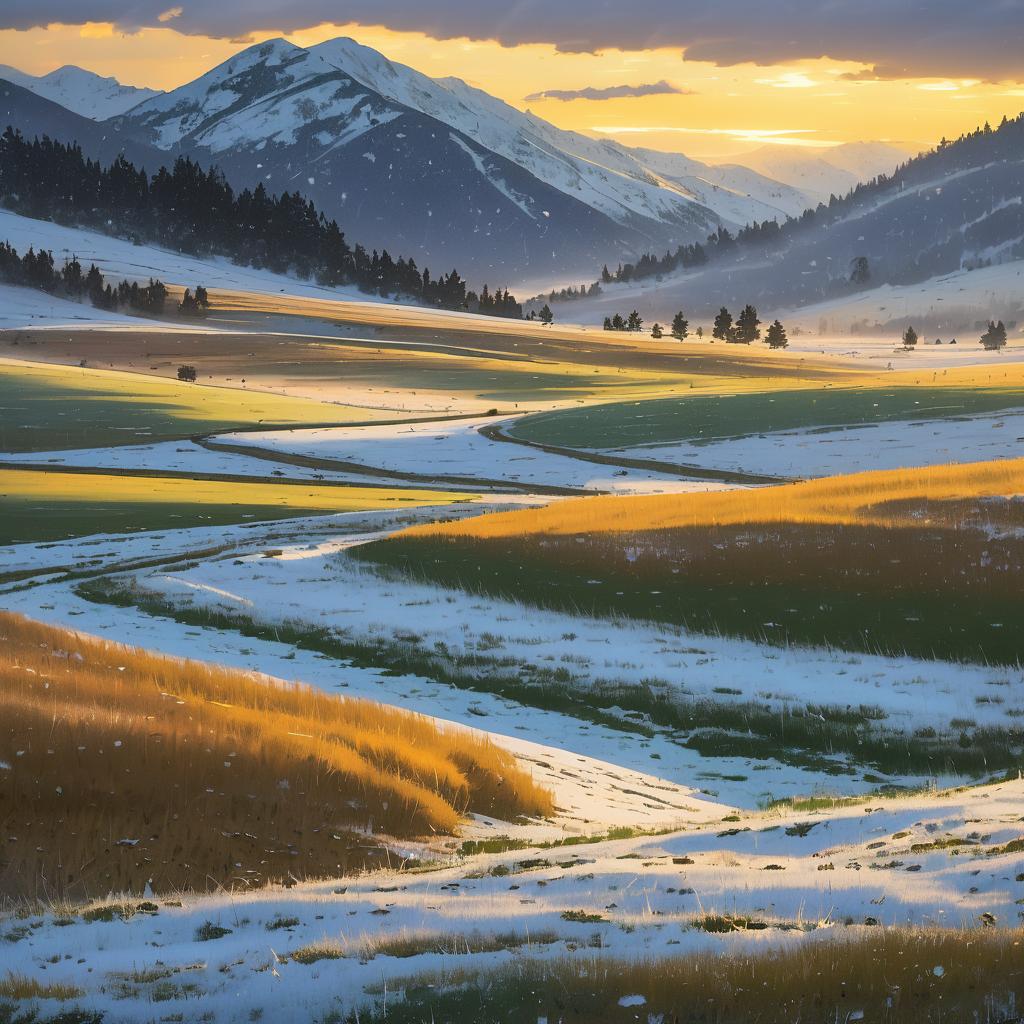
611,92
913,37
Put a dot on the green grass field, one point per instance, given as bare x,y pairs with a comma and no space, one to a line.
49,408
703,418
48,506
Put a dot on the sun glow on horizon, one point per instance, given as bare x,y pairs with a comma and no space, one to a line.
720,112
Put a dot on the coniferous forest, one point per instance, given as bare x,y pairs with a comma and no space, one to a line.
195,211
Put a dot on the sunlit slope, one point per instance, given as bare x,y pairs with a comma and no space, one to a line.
122,767
925,561
714,409
47,407
52,505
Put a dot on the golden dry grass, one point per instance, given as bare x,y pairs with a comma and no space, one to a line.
843,500
892,975
866,562
118,766
20,986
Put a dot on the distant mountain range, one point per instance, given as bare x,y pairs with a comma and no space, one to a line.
81,91
820,173
433,169
957,208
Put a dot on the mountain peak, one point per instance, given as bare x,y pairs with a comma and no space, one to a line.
81,91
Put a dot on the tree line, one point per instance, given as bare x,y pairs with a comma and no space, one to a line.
743,331
195,211
983,145
38,269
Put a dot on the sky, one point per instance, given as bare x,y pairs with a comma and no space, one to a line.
710,79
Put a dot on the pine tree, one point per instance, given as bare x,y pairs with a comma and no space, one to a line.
995,337
680,326
723,325
187,306
607,323
656,331
633,321
860,271
618,324
776,337
909,338
747,326
546,316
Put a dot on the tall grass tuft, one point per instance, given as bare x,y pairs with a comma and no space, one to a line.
895,976
121,768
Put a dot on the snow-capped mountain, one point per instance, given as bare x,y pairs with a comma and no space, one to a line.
80,91
33,116
617,180
396,176
431,168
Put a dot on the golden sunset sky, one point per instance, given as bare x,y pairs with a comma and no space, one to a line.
705,110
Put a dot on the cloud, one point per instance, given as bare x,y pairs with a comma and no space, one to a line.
611,92
897,38
170,14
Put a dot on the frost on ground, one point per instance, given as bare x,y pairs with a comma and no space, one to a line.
946,859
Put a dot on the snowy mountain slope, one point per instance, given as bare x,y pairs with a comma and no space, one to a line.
619,181
36,116
80,91
392,175
957,209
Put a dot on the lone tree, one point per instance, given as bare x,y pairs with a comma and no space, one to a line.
700,332
723,325
656,331
186,372
776,337
909,338
747,326
995,337
680,326
546,316
633,321
860,271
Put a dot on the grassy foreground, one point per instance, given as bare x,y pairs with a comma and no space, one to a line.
47,408
54,505
118,767
867,562
894,975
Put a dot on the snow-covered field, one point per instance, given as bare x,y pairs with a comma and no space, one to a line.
924,858
315,584
886,865
457,448
827,452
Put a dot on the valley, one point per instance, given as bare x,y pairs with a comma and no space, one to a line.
380,647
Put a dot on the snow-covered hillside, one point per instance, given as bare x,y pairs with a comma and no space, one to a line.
82,91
